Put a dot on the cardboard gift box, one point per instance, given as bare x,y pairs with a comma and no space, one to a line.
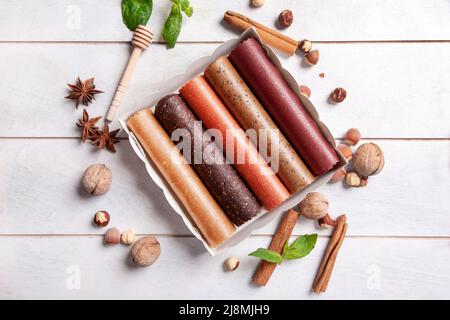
264,216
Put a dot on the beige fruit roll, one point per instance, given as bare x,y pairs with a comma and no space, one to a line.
192,193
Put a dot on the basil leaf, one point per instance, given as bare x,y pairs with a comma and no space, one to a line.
172,27
186,7
301,247
136,12
267,255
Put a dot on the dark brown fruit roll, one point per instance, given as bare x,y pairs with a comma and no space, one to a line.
220,178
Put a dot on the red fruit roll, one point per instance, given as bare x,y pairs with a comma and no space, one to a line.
284,106
207,106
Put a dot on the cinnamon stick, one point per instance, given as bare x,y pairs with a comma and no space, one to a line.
326,266
269,36
284,231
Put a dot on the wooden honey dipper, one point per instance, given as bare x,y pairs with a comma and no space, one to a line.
142,38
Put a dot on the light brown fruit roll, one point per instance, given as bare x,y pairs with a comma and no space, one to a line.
192,193
250,114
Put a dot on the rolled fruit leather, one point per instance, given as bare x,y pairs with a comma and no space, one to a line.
284,106
192,193
250,114
208,107
235,199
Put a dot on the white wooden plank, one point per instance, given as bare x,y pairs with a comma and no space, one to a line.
393,91
86,20
40,192
48,268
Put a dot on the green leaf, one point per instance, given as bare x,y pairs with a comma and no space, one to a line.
301,247
267,255
172,27
136,12
186,7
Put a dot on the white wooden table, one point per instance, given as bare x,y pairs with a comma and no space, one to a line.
393,57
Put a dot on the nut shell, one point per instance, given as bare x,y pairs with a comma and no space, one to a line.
353,180
145,251
327,222
352,137
338,95
102,218
305,90
112,236
258,3
285,18
339,175
231,264
312,57
97,179
305,46
368,159
313,206
346,151
127,237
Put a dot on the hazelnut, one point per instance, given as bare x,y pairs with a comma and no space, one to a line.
368,159
313,206
346,151
231,264
327,222
127,237
258,3
352,179
112,236
285,18
312,57
145,251
305,46
101,218
364,181
97,179
305,90
352,137
339,175
338,95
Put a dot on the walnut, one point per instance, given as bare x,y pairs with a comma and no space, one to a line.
97,179
145,251
313,206
368,159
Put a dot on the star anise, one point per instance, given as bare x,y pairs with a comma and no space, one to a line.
83,91
88,126
104,138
